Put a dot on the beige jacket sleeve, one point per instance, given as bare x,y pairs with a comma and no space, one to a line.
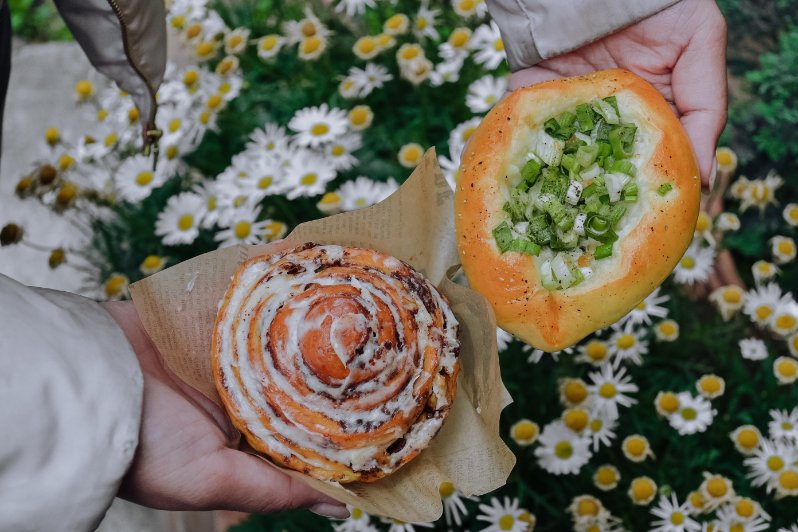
534,30
70,407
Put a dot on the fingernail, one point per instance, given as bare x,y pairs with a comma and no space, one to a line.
713,175
335,511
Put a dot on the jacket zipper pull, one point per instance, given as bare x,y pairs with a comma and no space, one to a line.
151,145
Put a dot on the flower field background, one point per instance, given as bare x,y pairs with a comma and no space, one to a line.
682,415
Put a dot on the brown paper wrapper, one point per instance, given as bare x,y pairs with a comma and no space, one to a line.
416,224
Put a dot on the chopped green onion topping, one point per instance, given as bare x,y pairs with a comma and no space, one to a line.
604,251
504,236
531,171
664,188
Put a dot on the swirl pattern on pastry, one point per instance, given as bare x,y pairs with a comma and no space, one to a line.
337,362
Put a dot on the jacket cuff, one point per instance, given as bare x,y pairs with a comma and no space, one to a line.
536,30
72,393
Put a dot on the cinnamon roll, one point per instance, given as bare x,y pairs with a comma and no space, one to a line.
335,361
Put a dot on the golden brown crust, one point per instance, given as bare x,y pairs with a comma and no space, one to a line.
337,362
553,320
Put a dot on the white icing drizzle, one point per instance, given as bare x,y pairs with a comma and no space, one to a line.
382,377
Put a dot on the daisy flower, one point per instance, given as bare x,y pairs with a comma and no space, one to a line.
695,414
353,7
339,151
269,46
470,8
152,264
746,439
787,483
310,26
648,308
366,47
453,507
317,125
609,390
606,477
710,386
308,176
790,214
266,176
595,352
348,89
783,425
311,48
363,192
792,344
411,154
372,77
358,521
228,66
536,355
484,93
760,193
576,419
524,432
561,451
726,159
768,461
753,349
695,503
666,331
446,72
716,490
744,512
456,46
763,271
783,249
642,490
242,229
727,221
506,516
785,369
761,302
236,41
417,71
785,317
360,117
274,230
666,403
450,168
673,517
703,228
503,339
587,508
424,23
397,24
627,344
602,430
728,299
135,178
695,266
573,392
180,220
636,448
115,286
488,46
461,133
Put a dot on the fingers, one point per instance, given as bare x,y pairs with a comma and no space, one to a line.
246,483
699,86
530,76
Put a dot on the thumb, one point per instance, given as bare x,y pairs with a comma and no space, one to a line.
249,484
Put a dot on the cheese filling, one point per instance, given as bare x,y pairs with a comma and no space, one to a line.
570,199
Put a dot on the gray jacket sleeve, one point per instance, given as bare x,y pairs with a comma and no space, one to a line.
70,407
534,30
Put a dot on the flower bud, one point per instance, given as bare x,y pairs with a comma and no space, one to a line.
10,234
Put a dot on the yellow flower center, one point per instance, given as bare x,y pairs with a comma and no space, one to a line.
274,229
763,312
193,31
133,114
268,43
102,114
575,392
265,182
786,426
709,384
717,487
704,222
365,45
411,153
185,222
356,513
760,192
595,425
498,45
747,439
410,53
606,476
359,115
110,139
205,117
446,489
724,156
422,23
563,450
608,390
308,28
587,506
234,41
668,402
242,230
190,77
787,368
239,201
308,179
789,480
785,321
524,430
506,522
576,419
211,203
636,446
172,152
151,262
310,45
144,178
84,88
173,125
786,247
677,518
696,499
319,129
178,21
52,135
764,268
732,295
688,263
204,49
667,328
626,341
744,508
330,198
689,413
225,67
467,5
459,38
66,194
385,41
792,213
337,150
596,350
396,22
115,284
642,489
214,101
